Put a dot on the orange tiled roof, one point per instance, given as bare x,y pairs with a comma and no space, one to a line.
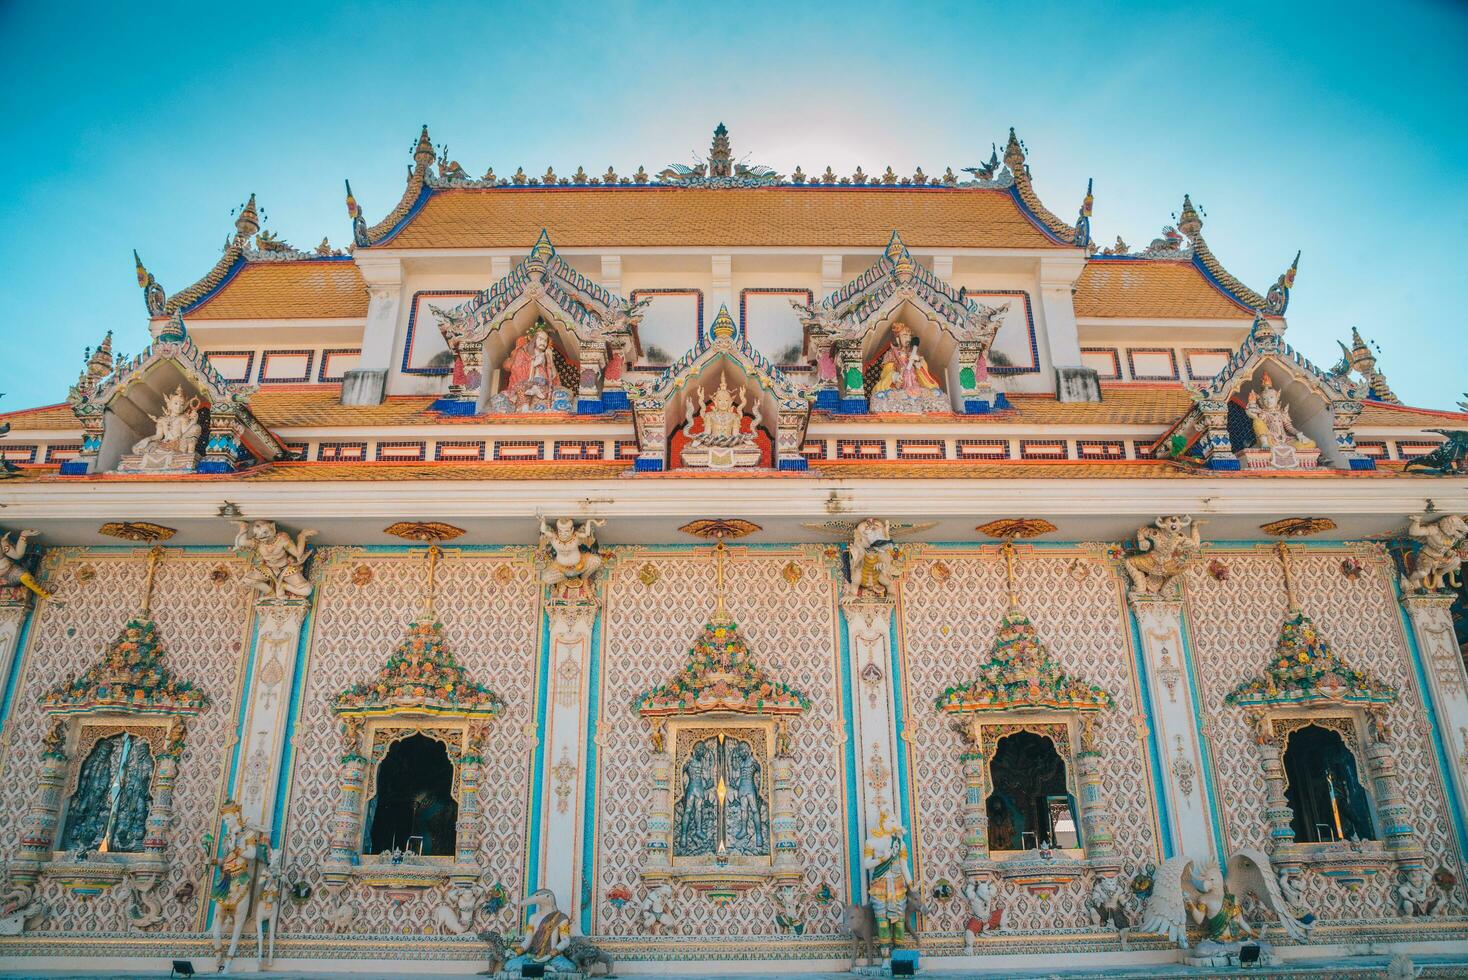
305,288
765,216
1151,288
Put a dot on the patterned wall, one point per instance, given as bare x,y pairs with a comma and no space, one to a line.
1234,627
656,603
948,626
202,625
488,605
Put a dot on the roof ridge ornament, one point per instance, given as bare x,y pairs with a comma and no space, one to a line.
1083,220
359,222
719,170
1277,299
153,295
1190,224
1023,189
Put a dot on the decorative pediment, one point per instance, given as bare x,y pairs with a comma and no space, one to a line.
420,677
721,676
1306,672
130,677
583,310
1019,675
1262,361
661,406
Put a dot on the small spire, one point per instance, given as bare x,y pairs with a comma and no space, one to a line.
798,177
174,330
99,362
723,328
423,155
248,222
889,176
543,248
1189,222
1014,154
895,248
721,156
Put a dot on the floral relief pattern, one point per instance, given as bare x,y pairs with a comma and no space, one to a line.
203,634
1235,623
493,630
948,627
651,621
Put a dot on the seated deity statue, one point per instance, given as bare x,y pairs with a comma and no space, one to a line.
547,937
532,383
722,442
905,383
1274,429
175,439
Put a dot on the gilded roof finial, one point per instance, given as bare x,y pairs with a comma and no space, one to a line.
248,221
900,257
723,328
1360,358
1277,299
543,248
721,156
1014,154
423,155
99,362
1188,220
153,296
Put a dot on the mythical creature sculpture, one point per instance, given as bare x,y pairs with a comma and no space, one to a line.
142,901
656,909
884,858
574,560
1211,898
788,917
267,909
1164,552
1107,906
21,909
1415,895
177,430
532,383
985,912
12,571
238,865
455,916
548,934
584,954
1447,459
905,383
1274,429
277,561
873,557
1444,546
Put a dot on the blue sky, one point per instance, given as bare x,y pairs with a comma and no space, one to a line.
1337,130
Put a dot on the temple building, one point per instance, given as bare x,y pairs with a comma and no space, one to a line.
657,570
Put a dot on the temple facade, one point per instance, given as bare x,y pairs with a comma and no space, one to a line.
660,570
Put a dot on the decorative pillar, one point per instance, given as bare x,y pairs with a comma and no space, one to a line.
367,384
38,830
572,621
1073,381
275,641
975,812
1277,812
346,821
1095,809
657,861
974,392
592,362
1216,445
468,829
868,624
1397,832
160,811
782,816
15,605
1447,684
1174,721
222,449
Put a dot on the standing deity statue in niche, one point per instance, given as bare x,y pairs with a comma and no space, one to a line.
884,859
532,383
1274,429
872,560
696,811
177,430
13,571
723,442
905,383
574,559
277,561
1164,552
1435,565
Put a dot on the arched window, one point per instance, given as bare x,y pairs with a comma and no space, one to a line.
109,809
414,806
1323,789
1030,803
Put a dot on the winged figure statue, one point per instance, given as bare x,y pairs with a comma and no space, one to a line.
1210,896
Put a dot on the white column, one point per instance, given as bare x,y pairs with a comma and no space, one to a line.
276,639
368,382
830,276
564,771
611,274
943,268
874,712
1058,277
1432,626
1160,625
721,290
499,267
14,604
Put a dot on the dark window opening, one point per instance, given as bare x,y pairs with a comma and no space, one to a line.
1323,790
109,810
414,809
1030,804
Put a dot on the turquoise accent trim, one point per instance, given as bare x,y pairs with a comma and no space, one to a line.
537,769
853,832
12,678
904,803
1159,787
588,816
1444,761
244,705
1205,750
288,752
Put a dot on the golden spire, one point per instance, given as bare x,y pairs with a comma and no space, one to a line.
723,328
248,222
1008,550
1292,605
155,555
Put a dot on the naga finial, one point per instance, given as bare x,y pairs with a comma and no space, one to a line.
1083,220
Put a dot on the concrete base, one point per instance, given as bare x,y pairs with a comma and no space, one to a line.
361,387
1077,384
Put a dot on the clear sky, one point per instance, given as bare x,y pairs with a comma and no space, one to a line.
1337,129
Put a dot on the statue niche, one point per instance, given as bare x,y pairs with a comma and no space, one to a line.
900,379
530,376
173,445
108,811
723,431
1275,442
722,807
